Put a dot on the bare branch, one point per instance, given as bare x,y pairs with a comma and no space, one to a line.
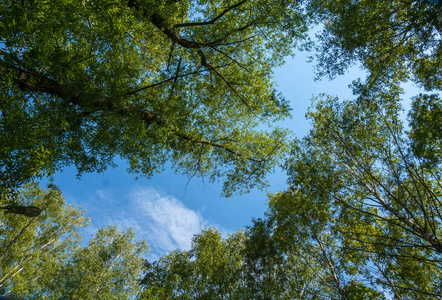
210,68
162,82
221,146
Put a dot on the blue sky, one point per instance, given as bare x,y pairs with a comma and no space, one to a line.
167,210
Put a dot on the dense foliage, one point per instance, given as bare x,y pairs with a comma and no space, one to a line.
246,265
153,81
41,258
394,41
149,81
361,218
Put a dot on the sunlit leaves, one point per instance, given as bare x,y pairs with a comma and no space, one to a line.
366,191
148,81
426,120
395,40
210,270
107,268
31,249
41,258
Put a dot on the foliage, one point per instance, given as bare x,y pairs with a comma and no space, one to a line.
149,81
394,41
365,189
40,258
107,268
304,234
249,264
270,260
31,249
210,270
426,122
269,272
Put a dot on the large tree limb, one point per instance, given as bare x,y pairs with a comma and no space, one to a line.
188,24
37,82
161,23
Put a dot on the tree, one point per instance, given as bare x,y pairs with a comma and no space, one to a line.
107,268
41,258
269,271
210,270
394,41
149,81
305,233
425,122
359,176
32,248
248,264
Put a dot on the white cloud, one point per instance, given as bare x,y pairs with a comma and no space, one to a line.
160,219
168,223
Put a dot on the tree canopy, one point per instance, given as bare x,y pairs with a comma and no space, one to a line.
394,41
41,258
152,81
361,216
363,187
31,248
246,265
148,81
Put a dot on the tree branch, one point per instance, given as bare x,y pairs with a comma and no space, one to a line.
37,82
331,267
159,22
417,229
210,68
213,144
164,81
188,24
412,225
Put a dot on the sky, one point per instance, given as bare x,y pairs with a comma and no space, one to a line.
167,210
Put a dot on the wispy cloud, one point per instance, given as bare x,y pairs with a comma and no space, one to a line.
165,221
156,217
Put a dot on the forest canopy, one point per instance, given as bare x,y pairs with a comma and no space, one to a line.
41,257
360,218
151,82
190,82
